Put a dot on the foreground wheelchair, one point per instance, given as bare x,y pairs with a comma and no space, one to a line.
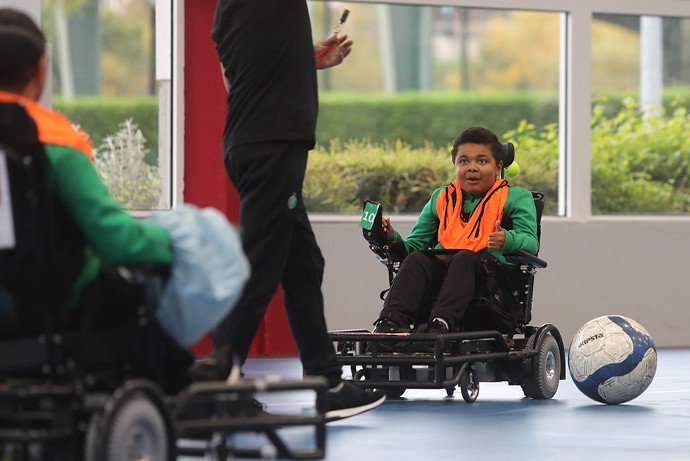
496,342
110,393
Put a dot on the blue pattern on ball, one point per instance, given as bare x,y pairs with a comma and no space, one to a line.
641,343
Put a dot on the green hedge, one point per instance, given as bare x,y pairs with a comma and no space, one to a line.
610,104
394,148
420,118
639,166
397,175
414,118
100,117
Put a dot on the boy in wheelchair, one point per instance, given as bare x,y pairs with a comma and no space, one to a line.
71,259
471,225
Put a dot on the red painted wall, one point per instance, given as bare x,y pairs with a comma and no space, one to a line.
205,181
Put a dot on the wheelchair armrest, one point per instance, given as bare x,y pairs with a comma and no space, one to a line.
388,252
522,257
397,251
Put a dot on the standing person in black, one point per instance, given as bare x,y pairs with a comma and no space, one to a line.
269,65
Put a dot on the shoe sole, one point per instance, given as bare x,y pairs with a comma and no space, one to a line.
336,415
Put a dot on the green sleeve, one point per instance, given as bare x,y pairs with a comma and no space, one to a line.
523,236
113,235
425,231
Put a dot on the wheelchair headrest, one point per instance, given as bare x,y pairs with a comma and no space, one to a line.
17,128
508,154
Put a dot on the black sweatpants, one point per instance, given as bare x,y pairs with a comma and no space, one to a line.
423,275
281,248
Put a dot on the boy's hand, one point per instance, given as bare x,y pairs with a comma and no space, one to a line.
387,228
498,238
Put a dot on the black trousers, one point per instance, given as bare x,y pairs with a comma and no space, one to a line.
282,249
424,275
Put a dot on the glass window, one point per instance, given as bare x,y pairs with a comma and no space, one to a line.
641,92
104,80
417,76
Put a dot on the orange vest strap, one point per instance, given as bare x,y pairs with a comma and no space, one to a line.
473,235
53,128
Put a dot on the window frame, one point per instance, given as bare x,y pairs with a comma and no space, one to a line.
575,93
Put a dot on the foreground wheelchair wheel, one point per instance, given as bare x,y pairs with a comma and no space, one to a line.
136,431
542,383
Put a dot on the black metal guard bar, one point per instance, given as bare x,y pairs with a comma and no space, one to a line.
342,336
205,429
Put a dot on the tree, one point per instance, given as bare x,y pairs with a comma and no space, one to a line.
127,52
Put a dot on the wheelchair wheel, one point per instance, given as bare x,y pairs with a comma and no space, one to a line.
136,431
451,389
92,442
542,382
469,385
362,374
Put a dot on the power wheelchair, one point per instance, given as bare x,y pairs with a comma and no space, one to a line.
496,342
114,393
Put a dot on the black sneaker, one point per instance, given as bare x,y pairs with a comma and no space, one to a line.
435,327
385,325
247,406
388,326
221,405
215,367
347,400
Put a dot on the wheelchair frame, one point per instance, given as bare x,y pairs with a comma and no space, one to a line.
535,361
117,394
531,357
66,416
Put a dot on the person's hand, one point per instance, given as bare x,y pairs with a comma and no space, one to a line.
332,51
387,228
498,238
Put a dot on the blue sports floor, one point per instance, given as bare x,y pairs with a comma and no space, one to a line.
501,424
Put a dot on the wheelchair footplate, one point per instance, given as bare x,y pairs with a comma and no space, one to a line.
212,412
394,362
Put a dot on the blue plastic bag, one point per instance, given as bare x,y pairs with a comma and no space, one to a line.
208,272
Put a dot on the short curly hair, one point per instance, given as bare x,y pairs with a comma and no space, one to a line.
478,135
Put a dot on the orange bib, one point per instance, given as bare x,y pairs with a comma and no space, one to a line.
53,128
453,232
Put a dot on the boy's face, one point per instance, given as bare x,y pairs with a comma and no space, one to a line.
476,168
